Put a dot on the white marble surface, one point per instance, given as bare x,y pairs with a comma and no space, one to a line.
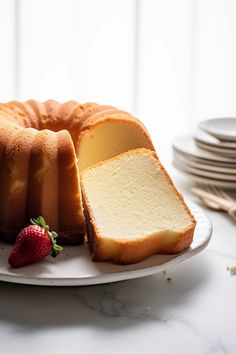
193,313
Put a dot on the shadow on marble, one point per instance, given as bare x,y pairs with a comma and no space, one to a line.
110,306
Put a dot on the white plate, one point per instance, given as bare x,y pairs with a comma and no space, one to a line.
73,267
208,139
203,173
209,181
184,166
203,161
217,150
222,128
202,165
186,146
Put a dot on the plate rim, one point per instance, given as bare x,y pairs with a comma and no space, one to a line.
209,181
205,138
223,152
202,165
216,134
219,176
211,158
28,279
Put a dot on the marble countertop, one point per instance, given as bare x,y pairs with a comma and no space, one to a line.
194,312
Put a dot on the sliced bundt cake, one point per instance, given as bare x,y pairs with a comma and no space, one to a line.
42,148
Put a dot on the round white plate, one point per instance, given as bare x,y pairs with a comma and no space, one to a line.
216,150
222,128
208,181
73,267
186,146
203,173
207,139
202,165
204,162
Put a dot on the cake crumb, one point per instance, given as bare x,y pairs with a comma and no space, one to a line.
148,308
169,279
231,269
164,272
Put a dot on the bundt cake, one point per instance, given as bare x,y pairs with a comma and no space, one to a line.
43,146
132,209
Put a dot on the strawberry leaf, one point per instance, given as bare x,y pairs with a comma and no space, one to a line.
40,221
33,221
54,234
56,249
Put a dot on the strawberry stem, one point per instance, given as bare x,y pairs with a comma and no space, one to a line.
40,221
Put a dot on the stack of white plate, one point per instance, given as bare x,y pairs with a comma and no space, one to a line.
210,155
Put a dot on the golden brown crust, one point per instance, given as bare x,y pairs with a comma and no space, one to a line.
9,116
39,113
131,251
76,118
92,111
12,196
42,198
14,182
67,109
97,115
71,218
17,108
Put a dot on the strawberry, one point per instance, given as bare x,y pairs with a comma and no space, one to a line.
34,243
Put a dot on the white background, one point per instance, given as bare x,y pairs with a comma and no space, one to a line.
171,63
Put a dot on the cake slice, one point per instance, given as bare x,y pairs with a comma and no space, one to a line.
133,210
106,135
